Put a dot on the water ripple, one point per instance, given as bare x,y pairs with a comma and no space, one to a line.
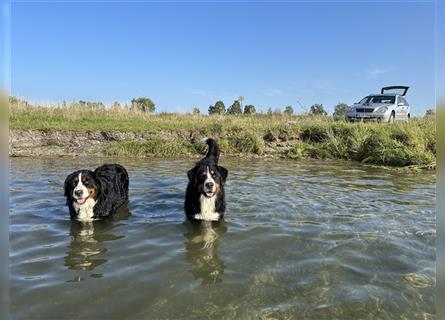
318,239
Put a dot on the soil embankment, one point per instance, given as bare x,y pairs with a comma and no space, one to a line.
35,143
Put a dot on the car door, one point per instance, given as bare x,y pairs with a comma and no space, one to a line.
405,108
399,108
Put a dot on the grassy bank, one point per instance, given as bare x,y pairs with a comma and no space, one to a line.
401,144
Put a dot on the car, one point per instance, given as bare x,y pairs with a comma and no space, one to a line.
388,106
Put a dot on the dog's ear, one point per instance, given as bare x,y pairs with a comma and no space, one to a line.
103,205
191,174
66,185
101,186
223,172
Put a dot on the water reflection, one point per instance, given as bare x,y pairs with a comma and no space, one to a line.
87,246
201,246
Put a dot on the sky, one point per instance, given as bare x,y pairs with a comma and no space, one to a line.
191,54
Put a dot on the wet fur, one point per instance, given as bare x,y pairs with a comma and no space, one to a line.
195,200
107,187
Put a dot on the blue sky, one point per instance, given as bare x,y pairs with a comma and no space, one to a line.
191,54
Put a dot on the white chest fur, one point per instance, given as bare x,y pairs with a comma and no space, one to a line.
207,209
85,211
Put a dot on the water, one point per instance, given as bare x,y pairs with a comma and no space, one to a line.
312,240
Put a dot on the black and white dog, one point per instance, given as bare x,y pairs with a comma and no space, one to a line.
204,199
92,195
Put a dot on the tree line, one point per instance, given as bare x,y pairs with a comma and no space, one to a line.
237,109
146,105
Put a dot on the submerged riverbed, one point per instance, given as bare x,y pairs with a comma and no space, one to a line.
312,240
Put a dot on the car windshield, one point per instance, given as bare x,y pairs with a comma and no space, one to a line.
378,99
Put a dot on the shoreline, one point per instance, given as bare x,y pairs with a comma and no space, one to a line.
29,143
55,142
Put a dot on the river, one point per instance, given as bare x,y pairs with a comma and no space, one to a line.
300,240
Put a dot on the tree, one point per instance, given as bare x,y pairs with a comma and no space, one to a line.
196,111
289,110
219,108
143,104
430,112
91,105
340,110
269,111
249,109
318,109
235,108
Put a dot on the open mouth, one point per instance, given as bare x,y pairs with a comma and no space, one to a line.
209,194
81,200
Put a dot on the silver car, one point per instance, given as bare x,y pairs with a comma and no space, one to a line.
388,106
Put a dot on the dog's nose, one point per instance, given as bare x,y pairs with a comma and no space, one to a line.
78,193
209,185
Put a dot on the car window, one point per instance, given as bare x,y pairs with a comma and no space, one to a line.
383,99
365,100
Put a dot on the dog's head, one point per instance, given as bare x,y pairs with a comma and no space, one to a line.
81,186
208,178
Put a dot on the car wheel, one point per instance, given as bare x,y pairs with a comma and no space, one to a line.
409,116
392,117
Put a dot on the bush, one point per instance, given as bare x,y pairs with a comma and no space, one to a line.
314,133
247,142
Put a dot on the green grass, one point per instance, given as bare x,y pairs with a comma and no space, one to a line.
158,147
401,144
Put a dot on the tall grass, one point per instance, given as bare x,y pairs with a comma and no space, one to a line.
164,148
399,144
295,137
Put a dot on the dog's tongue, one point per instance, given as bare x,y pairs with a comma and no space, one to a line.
81,200
210,194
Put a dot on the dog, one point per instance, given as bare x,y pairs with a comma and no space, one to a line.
205,199
93,195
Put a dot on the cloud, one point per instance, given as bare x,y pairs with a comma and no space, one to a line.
375,72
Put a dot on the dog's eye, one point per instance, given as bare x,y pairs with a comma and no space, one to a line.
85,180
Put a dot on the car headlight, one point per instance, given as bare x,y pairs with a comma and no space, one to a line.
382,109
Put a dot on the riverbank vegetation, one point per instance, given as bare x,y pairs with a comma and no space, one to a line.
285,135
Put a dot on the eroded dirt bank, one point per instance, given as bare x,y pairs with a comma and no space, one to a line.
34,143
47,143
